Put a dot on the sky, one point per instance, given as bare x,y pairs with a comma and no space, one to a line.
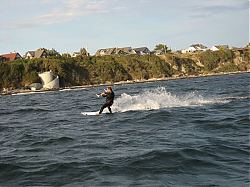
68,25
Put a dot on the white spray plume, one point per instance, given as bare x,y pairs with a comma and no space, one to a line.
156,99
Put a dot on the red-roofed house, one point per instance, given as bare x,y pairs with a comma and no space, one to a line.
11,56
2,59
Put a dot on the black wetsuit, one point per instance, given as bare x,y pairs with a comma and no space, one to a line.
109,101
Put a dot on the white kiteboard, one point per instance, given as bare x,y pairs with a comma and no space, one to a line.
105,111
90,113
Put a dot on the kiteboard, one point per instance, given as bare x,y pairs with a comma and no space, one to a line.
94,113
90,113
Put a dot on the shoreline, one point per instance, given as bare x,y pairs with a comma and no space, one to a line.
23,92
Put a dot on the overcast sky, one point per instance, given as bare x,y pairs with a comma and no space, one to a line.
68,25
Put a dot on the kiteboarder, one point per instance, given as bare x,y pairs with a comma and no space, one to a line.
110,95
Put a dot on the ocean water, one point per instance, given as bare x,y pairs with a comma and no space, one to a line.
186,132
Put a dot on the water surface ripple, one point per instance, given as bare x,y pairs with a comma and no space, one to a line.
189,132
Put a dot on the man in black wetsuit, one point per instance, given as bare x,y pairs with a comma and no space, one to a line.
109,94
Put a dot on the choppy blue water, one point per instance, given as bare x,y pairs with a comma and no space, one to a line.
188,132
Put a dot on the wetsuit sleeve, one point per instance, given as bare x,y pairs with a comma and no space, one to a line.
104,94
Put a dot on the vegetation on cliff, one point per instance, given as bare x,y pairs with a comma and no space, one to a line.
85,70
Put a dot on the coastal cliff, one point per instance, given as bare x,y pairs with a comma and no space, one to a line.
81,71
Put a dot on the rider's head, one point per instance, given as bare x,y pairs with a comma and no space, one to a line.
109,88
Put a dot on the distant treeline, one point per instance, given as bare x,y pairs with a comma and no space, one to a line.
84,70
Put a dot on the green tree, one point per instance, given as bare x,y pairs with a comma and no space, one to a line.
162,49
66,55
52,53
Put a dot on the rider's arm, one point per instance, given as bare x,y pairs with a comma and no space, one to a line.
104,94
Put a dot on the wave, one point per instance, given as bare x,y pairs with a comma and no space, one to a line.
23,110
5,112
31,109
29,93
159,98
55,141
235,98
158,158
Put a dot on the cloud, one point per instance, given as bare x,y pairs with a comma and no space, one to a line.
215,7
61,11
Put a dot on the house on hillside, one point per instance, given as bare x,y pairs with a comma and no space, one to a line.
11,56
83,53
103,52
125,51
142,51
29,55
219,47
194,48
39,53
158,52
199,47
2,59
115,51
75,54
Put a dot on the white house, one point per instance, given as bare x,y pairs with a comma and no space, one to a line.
214,48
188,50
218,47
194,48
